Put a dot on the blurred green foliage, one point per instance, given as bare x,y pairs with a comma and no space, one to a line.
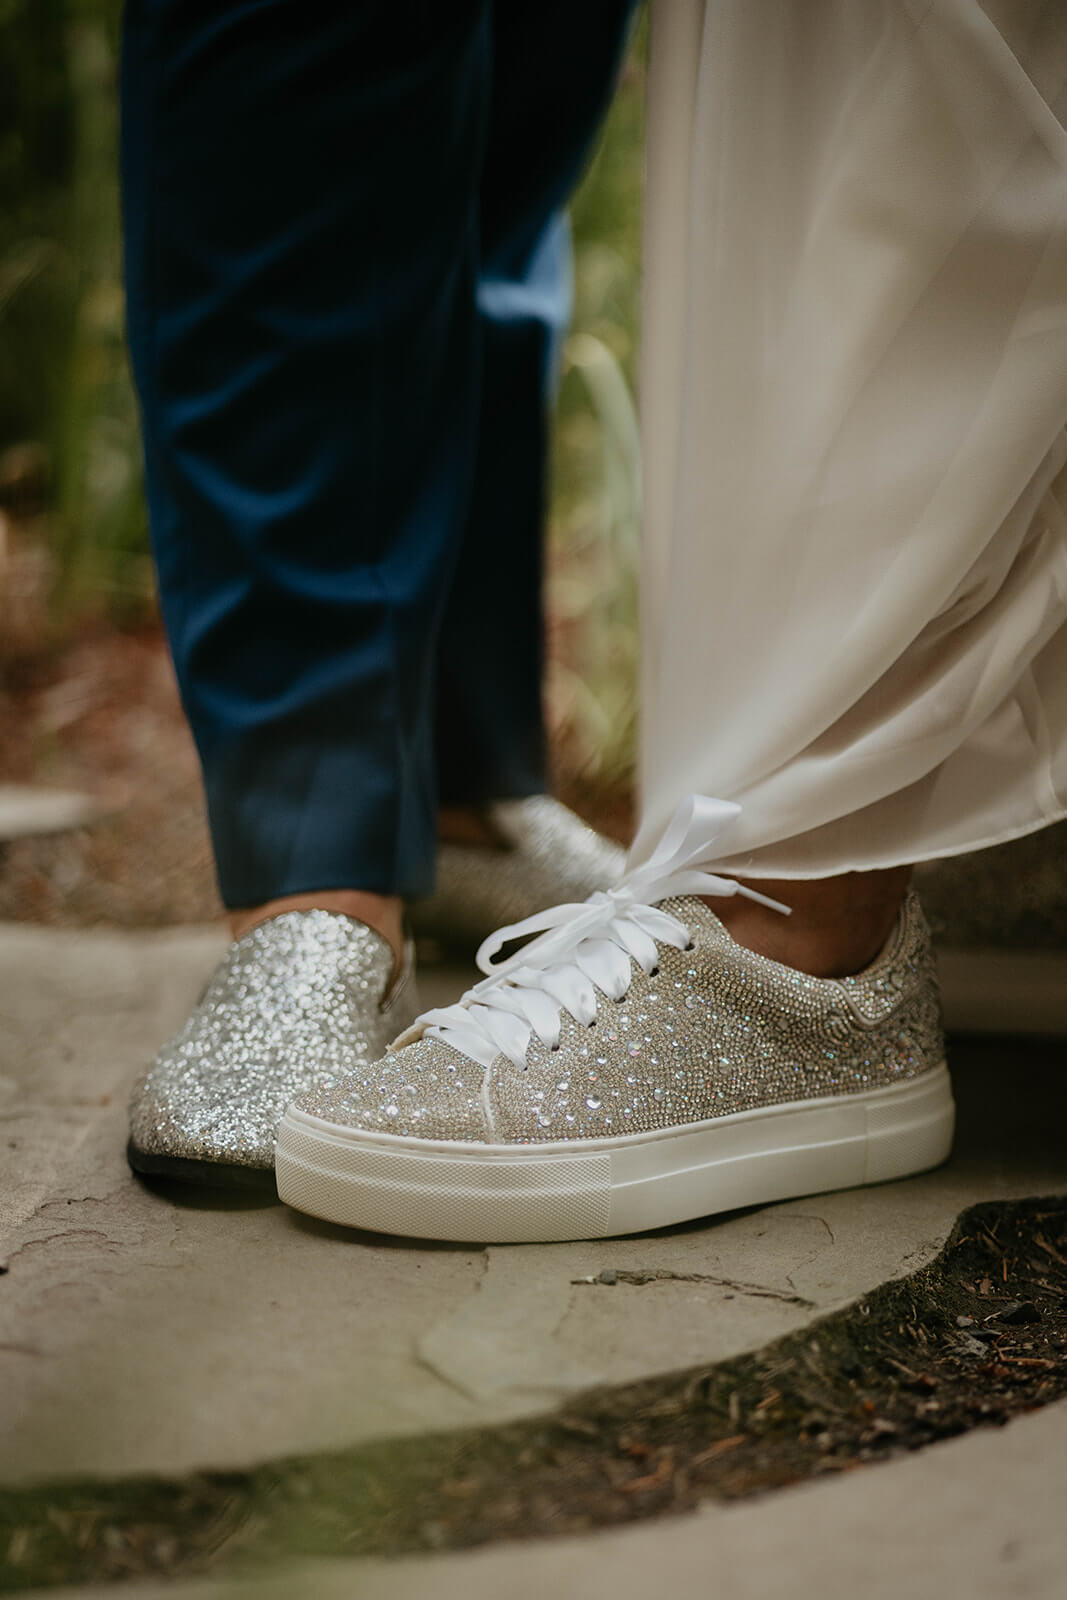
595,521
35,156
65,388
63,376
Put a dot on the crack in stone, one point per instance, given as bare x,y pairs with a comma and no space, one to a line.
813,1216
50,1238
421,1350
647,1275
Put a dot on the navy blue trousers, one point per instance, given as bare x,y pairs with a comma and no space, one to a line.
348,275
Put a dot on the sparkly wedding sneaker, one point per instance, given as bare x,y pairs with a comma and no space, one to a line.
302,998
297,1001
632,1066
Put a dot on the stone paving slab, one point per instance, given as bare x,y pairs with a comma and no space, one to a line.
980,1516
162,1329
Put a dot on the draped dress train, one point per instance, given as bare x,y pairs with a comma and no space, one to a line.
854,397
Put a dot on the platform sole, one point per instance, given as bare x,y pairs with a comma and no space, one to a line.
593,1188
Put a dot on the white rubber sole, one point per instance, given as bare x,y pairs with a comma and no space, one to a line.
590,1189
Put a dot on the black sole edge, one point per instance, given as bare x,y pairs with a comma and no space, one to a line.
206,1174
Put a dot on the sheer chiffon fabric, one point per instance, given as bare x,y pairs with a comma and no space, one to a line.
854,397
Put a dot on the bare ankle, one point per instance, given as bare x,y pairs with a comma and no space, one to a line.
383,913
837,926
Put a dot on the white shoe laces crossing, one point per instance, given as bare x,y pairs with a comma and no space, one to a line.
585,946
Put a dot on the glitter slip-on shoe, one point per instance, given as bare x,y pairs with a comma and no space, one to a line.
630,1068
545,854
297,1001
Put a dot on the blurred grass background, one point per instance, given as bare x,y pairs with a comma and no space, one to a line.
73,540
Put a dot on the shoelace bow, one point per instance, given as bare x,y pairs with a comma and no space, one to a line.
584,946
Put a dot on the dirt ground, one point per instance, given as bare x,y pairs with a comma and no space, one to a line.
102,715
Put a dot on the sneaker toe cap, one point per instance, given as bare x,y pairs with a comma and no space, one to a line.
425,1091
175,1113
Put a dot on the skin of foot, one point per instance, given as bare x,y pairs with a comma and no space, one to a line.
837,925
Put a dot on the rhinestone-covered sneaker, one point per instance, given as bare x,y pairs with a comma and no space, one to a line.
630,1068
546,855
296,1002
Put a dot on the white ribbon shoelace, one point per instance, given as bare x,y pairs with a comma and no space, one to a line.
585,946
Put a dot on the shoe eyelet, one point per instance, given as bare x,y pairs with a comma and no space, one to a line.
690,946
654,971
